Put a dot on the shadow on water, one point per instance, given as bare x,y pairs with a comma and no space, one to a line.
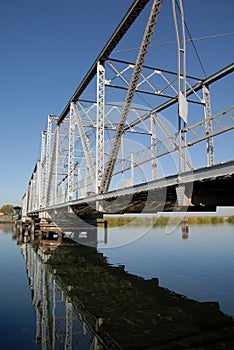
82,302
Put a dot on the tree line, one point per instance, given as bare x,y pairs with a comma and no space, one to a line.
7,209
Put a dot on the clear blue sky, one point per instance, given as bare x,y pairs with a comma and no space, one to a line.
48,46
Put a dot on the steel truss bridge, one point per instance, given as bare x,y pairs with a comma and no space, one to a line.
135,155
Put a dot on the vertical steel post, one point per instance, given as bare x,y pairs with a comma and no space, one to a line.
208,126
38,182
100,124
87,174
70,182
56,165
33,198
79,182
132,169
36,186
42,171
51,183
153,145
48,159
32,192
30,196
182,102
122,160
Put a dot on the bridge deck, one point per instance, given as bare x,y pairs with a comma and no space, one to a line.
204,188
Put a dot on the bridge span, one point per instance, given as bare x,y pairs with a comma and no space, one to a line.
156,144
200,190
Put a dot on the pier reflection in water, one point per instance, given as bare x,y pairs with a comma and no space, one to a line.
82,302
59,323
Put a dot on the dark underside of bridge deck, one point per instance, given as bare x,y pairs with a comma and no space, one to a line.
199,190
203,195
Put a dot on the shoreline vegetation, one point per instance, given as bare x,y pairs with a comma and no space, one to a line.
145,220
158,221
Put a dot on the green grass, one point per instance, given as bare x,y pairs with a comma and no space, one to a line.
115,221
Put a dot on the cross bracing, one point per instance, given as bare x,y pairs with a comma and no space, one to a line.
114,131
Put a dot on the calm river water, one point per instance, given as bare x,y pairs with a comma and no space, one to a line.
135,288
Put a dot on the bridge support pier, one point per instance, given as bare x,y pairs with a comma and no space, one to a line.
183,195
73,223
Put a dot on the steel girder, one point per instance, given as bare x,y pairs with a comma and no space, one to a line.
100,125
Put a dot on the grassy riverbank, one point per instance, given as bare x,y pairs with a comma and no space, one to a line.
114,221
157,221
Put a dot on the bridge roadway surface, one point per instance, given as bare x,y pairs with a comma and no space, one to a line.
205,189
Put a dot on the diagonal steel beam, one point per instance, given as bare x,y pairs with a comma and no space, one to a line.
106,178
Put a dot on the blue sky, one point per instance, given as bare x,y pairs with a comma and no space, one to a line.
48,46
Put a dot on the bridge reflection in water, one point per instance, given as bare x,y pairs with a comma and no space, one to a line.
82,302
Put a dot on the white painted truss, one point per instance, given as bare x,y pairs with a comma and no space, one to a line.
122,136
